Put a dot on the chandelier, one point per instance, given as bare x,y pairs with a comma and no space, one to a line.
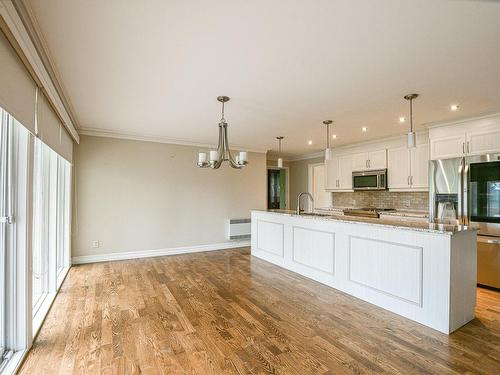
216,157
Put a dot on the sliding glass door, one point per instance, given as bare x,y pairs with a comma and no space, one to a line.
51,223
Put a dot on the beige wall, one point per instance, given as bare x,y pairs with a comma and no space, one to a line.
299,178
134,195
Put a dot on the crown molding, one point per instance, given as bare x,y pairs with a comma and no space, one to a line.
306,156
32,25
437,124
95,132
18,31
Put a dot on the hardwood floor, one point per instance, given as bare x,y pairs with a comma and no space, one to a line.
225,312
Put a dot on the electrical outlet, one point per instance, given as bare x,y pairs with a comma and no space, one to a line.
96,243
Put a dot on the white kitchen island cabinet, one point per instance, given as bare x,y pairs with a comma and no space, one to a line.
424,272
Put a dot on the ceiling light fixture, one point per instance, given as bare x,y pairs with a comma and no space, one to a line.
280,160
411,133
309,142
216,157
334,136
454,107
364,129
402,119
328,150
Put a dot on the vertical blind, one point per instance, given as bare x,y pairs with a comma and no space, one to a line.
18,97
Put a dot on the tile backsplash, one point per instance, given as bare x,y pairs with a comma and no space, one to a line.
382,199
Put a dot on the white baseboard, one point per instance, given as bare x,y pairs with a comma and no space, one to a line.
158,252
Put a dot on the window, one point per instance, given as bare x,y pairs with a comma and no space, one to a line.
14,141
3,224
41,225
51,226
63,217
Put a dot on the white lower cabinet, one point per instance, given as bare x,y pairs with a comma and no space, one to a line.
407,168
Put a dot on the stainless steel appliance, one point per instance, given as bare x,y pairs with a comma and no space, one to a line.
366,211
370,180
467,191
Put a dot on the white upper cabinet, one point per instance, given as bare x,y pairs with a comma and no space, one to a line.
398,173
345,172
419,167
448,146
339,173
369,160
483,142
332,173
472,137
359,161
407,168
377,159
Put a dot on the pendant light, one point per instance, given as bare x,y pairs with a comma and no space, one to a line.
411,133
216,157
280,159
328,150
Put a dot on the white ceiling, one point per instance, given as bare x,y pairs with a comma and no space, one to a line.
155,68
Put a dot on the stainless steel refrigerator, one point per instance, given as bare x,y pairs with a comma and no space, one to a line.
466,191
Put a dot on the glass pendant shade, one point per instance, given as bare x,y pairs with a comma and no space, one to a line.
411,134
328,154
280,163
328,150
411,140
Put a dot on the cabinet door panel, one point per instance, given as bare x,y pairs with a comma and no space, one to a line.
483,142
419,162
345,172
378,159
332,174
447,147
359,161
398,169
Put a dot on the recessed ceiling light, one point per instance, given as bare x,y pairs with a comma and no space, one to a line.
454,107
334,136
402,119
364,129
309,142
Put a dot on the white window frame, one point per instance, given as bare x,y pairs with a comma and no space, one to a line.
18,277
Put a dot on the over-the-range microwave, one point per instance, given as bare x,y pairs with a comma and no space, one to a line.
370,180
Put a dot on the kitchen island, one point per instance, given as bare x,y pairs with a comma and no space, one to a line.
422,271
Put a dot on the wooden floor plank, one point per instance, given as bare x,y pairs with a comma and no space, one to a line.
225,312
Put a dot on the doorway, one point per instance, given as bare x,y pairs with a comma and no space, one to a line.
316,174
277,188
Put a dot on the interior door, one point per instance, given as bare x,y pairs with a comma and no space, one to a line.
322,198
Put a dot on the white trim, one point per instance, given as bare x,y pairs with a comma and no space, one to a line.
16,27
438,124
14,363
158,252
94,132
307,156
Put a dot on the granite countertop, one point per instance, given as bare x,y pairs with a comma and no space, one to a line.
406,225
397,212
